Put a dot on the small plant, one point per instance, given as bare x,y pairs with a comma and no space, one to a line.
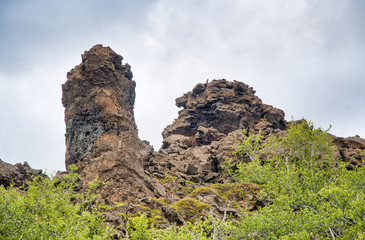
139,228
168,178
203,190
190,209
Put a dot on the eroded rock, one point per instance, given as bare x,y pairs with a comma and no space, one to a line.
17,174
224,106
208,127
101,134
102,139
349,149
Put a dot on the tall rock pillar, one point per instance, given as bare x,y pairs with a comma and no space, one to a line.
101,134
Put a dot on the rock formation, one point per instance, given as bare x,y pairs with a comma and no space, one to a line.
101,134
17,174
102,139
349,150
223,106
208,126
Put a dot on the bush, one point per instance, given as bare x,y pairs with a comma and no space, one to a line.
313,195
190,209
49,209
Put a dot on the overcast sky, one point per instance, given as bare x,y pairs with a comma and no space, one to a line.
306,57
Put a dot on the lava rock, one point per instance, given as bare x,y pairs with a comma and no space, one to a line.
101,133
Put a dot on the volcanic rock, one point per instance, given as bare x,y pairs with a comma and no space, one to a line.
208,127
223,106
101,134
17,174
349,149
102,138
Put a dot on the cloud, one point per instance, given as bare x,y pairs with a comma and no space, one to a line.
297,54
305,57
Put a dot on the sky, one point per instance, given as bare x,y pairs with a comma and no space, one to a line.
306,57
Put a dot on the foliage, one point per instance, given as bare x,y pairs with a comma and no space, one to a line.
203,229
190,209
314,196
139,229
168,178
226,191
203,190
50,209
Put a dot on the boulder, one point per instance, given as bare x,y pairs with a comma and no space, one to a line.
17,174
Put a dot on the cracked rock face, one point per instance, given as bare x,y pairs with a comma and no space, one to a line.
207,128
101,134
224,107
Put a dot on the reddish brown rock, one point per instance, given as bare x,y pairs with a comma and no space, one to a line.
17,174
208,127
349,149
102,139
101,134
224,106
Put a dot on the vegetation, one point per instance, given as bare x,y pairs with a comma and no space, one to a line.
190,209
311,196
50,209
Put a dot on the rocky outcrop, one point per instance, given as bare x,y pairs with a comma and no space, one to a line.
223,107
102,139
17,174
101,134
209,126
201,138
349,149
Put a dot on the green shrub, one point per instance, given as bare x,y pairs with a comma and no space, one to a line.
314,196
139,228
49,209
190,209
204,229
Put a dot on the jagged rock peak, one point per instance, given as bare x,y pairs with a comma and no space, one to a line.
216,108
105,55
98,98
202,136
101,133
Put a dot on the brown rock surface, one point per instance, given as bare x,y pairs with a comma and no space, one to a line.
224,107
349,149
17,174
208,127
101,134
